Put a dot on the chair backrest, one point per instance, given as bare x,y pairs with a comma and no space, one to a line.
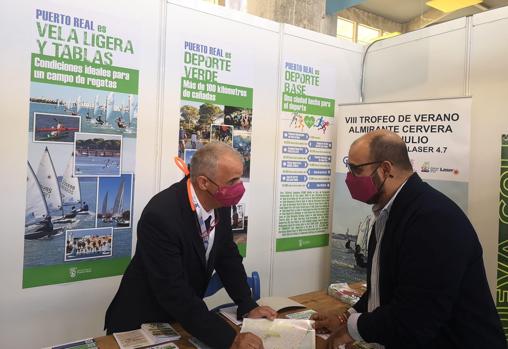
215,285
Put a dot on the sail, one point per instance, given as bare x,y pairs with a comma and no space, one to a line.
69,186
110,105
118,206
78,104
132,109
36,207
96,106
363,234
104,208
48,181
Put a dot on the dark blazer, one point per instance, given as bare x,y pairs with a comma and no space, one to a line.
168,275
432,283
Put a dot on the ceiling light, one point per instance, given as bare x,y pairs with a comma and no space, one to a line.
451,5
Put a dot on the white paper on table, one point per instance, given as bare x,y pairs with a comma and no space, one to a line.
230,314
279,303
282,333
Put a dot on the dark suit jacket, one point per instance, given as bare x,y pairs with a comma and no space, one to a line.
168,275
432,283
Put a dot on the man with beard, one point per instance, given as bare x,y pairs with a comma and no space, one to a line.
426,282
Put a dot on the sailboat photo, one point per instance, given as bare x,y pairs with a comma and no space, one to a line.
48,181
117,212
110,106
118,209
69,187
362,240
104,214
38,222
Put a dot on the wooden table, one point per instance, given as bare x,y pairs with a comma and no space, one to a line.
317,300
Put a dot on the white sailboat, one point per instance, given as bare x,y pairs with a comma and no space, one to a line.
362,241
133,110
69,187
105,215
118,205
118,209
110,105
78,104
36,207
96,106
48,181
37,219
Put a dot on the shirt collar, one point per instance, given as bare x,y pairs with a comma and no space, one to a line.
386,209
199,207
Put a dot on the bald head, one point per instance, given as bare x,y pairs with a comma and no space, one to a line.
384,145
205,162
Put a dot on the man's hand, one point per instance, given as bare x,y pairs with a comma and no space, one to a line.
247,340
340,337
262,312
325,323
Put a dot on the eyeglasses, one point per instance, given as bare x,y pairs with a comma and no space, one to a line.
354,168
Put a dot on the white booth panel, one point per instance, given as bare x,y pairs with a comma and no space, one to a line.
429,63
254,43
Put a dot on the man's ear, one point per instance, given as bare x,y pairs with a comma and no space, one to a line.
201,182
387,167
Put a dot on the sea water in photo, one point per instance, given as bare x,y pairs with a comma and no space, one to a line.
100,111
50,250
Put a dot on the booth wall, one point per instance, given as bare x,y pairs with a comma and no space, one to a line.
41,316
254,43
458,58
307,270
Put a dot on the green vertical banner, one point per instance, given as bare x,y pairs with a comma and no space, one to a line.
502,259
82,130
214,111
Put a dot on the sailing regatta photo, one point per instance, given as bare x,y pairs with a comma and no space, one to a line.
97,154
115,201
49,127
98,111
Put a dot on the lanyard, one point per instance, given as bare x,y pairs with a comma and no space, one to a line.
195,206
204,231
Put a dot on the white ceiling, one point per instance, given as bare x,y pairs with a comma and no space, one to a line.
403,11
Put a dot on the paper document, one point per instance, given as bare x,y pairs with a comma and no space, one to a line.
132,339
279,303
282,333
230,314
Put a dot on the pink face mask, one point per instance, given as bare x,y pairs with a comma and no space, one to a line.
362,188
229,195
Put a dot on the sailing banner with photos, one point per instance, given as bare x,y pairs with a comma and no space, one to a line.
502,255
437,134
82,124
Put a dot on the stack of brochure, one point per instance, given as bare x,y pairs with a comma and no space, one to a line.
88,343
147,336
160,332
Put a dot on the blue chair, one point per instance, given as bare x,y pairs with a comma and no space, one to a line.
215,285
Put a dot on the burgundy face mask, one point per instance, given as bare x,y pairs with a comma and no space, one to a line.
229,195
362,188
